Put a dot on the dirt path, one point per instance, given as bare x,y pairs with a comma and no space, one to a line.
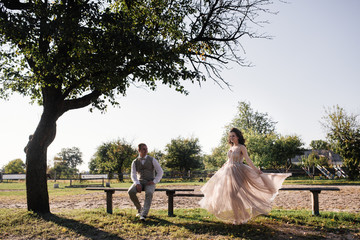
347,200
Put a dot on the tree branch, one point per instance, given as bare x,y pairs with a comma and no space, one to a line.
81,102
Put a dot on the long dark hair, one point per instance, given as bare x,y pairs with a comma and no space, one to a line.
239,135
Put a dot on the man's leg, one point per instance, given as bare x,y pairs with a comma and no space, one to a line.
149,191
132,193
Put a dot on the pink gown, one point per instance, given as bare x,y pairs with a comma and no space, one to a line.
237,192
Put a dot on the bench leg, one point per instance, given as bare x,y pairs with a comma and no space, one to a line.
315,202
170,195
109,195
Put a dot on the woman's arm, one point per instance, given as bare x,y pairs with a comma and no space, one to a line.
248,160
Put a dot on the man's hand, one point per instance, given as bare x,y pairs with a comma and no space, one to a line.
150,183
138,188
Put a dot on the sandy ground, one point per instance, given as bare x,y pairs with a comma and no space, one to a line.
347,200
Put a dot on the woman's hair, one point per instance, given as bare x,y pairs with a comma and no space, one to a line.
239,135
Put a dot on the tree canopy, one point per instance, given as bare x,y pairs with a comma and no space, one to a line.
69,54
183,154
319,145
343,133
65,163
15,166
247,119
79,50
251,123
71,156
113,157
266,148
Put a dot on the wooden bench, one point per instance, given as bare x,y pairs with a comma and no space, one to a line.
314,190
86,177
315,195
12,177
110,191
171,193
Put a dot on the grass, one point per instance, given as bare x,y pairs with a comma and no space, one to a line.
317,181
188,224
16,189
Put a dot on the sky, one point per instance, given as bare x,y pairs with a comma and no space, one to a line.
311,63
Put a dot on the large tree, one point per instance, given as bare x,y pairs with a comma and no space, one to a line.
69,54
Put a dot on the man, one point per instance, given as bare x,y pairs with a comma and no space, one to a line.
143,175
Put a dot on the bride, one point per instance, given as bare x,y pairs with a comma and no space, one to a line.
238,191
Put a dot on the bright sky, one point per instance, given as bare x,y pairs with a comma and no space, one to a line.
311,63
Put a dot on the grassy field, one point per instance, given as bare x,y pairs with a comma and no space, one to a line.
188,223
317,181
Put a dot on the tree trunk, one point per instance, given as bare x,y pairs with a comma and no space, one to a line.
120,176
36,154
36,158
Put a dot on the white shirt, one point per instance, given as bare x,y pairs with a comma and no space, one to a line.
158,169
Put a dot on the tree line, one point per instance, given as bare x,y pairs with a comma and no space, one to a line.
267,148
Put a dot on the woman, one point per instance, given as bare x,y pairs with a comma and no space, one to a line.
238,192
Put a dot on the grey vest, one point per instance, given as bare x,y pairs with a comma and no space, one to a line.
147,171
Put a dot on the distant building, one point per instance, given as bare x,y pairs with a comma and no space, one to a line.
333,157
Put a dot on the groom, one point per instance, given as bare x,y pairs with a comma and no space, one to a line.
143,175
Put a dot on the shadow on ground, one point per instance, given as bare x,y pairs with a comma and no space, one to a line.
247,231
80,228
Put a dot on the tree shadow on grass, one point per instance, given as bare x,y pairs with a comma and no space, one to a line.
247,231
82,229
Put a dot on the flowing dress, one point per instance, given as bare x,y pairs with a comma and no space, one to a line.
237,192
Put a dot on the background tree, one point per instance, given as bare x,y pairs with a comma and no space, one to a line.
65,163
158,155
343,133
312,160
247,119
183,154
272,150
210,162
113,157
283,150
320,145
61,170
256,127
266,148
69,54
15,166
218,155
259,148
71,156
